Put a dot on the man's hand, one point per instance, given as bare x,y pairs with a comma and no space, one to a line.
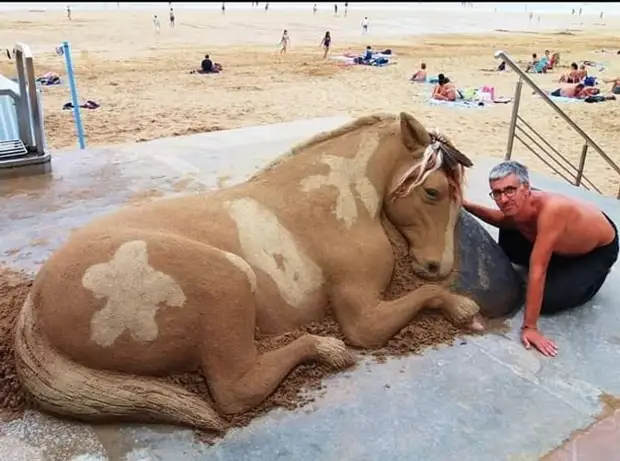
532,337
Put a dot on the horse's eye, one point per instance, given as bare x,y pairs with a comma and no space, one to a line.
433,194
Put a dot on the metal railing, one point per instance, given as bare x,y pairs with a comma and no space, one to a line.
23,147
520,130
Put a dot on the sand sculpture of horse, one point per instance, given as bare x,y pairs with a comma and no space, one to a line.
185,283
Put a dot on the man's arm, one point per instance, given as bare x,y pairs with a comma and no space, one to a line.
550,225
493,217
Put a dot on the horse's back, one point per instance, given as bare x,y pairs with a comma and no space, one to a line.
132,300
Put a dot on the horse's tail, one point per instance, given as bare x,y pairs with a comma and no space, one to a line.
61,386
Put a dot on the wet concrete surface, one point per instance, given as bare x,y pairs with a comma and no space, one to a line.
486,398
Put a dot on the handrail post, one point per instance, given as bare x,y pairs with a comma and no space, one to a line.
582,164
22,106
513,120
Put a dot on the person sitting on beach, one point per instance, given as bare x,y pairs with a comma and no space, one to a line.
444,90
546,61
420,75
536,65
554,61
326,43
578,91
367,57
582,73
573,76
568,246
208,67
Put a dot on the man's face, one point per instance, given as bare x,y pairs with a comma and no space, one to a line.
509,194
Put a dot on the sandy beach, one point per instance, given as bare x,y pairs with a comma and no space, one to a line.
142,80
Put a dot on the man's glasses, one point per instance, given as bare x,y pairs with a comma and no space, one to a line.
509,192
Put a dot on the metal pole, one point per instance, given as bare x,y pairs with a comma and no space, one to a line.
74,95
582,164
513,120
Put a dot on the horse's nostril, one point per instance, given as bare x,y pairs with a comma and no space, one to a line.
432,267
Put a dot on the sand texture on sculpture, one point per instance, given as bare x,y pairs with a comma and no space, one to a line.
189,283
143,84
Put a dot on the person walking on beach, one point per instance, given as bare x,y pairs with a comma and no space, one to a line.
156,24
365,25
326,43
314,8
346,8
223,7
335,9
266,7
284,42
171,17
69,12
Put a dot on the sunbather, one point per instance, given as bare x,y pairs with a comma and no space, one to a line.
578,91
582,73
208,67
444,90
420,75
573,75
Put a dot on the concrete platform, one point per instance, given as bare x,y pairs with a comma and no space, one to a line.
485,399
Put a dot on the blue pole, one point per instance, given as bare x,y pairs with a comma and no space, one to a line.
74,96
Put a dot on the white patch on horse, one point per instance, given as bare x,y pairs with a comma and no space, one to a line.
134,291
264,240
243,266
347,175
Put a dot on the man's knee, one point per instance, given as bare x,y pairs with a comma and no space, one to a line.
564,294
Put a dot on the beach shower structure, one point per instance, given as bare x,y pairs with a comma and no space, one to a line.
23,149
522,131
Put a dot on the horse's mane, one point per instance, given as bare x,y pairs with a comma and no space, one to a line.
440,154
368,120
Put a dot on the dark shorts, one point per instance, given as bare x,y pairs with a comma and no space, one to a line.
570,281
556,93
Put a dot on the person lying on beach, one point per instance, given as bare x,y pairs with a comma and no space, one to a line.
573,76
420,75
567,246
578,91
444,90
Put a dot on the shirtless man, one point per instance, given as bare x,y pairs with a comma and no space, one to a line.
444,90
569,246
573,76
578,90
420,75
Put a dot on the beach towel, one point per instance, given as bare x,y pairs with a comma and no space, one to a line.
458,103
564,99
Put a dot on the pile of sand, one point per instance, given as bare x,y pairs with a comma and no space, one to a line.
427,330
14,287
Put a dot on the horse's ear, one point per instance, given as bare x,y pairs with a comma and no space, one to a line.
413,133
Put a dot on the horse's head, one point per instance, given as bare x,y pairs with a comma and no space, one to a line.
424,196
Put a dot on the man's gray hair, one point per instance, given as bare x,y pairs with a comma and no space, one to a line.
501,170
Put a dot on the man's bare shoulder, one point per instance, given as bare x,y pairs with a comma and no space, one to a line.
562,208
